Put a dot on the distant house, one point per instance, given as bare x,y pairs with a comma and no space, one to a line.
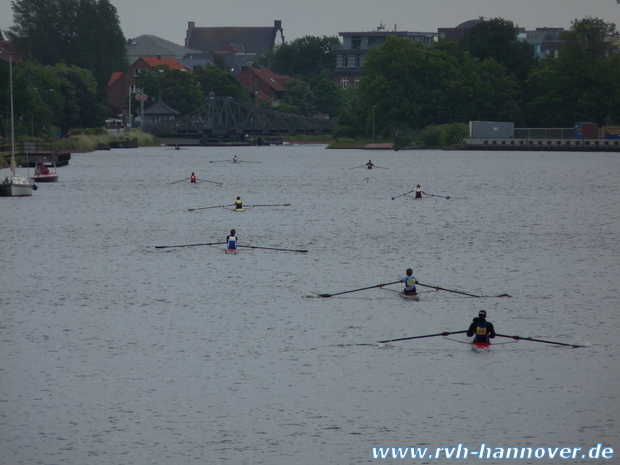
159,112
245,44
122,83
6,49
546,40
152,46
263,85
355,45
256,40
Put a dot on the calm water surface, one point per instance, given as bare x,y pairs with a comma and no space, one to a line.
115,352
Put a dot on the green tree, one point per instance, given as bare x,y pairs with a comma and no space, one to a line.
580,84
302,58
497,38
412,86
221,83
329,96
82,33
174,87
299,96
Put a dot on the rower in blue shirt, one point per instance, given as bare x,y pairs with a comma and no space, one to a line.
410,282
481,329
231,240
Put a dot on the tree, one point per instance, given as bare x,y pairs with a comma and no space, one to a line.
329,96
498,39
303,57
221,83
299,96
175,87
581,83
413,85
82,33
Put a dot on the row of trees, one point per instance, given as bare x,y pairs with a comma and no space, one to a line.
49,99
71,48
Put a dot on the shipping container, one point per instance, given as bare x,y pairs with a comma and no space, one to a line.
491,130
586,130
610,131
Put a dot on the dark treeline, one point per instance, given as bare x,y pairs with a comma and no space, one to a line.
71,48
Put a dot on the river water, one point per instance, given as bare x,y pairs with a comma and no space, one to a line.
117,352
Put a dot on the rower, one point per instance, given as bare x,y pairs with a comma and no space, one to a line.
192,178
231,240
410,282
369,165
235,160
481,329
419,192
238,204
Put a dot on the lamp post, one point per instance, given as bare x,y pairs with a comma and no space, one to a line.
373,121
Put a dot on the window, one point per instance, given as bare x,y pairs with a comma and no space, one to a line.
356,83
358,61
344,82
136,71
356,43
345,61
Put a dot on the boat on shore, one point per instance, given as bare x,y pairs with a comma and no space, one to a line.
45,171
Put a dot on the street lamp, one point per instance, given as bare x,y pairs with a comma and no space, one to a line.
373,121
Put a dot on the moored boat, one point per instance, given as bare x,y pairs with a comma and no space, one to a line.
15,185
45,171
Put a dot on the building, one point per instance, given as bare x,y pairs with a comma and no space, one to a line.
159,112
263,85
122,83
546,40
246,44
355,45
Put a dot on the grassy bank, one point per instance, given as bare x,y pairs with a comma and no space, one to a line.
89,143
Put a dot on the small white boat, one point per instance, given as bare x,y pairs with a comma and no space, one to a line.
16,186
45,171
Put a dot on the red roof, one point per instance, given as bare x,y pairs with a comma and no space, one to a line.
115,76
157,61
7,48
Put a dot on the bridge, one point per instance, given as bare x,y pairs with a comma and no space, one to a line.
225,119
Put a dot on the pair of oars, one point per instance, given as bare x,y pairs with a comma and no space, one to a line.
201,180
245,206
445,333
221,243
430,195
419,284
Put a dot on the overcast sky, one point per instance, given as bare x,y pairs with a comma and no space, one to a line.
168,18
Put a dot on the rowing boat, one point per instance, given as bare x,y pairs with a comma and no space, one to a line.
413,297
481,345
231,251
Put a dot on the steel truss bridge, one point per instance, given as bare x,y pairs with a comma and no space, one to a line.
230,118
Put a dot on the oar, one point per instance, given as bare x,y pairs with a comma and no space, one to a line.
443,196
449,290
275,205
459,292
361,166
518,338
445,333
382,167
187,245
181,180
271,248
246,161
355,290
205,208
402,194
217,161
206,180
